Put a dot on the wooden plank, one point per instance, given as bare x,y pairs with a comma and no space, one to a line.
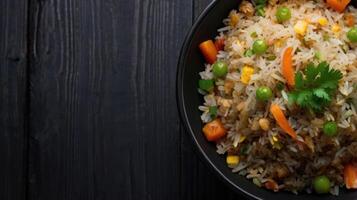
13,64
198,181
104,123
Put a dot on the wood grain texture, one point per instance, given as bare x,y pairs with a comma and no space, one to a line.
104,123
13,140
103,118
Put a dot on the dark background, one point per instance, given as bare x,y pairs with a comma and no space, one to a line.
88,106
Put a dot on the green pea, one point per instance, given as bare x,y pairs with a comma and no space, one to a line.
322,184
260,47
330,129
206,85
283,14
264,94
352,34
220,69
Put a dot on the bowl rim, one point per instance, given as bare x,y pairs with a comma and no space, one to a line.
181,102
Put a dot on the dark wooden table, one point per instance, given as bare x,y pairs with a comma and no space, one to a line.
87,102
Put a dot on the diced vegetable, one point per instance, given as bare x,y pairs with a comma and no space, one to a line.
322,21
300,27
260,10
213,111
257,182
219,43
233,16
260,2
232,160
214,130
330,129
336,28
282,121
247,73
280,86
220,69
318,55
322,184
287,66
271,57
350,20
244,149
209,51
325,37
271,185
350,176
248,53
352,34
264,93
283,14
254,35
206,85
259,47
338,5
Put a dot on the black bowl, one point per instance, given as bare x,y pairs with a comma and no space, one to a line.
190,64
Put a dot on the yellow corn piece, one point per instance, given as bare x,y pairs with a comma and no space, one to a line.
278,43
275,139
242,138
301,27
336,28
322,21
233,19
247,73
232,160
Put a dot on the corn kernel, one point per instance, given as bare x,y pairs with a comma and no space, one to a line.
275,139
322,21
301,27
242,138
247,73
233,19
232,161
336,28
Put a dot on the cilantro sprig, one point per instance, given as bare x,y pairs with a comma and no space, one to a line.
315,87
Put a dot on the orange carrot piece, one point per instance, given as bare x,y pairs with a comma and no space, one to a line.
219,43
271,185
338,5
214,130
350,175
281,120
209,51
287,67
350,20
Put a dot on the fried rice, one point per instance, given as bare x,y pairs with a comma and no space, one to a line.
266,153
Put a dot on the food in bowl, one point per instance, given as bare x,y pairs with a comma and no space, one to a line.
280,94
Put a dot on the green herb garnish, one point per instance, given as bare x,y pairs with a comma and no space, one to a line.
260,10
314,89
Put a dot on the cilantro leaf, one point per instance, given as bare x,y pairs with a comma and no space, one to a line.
321,93
314,89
